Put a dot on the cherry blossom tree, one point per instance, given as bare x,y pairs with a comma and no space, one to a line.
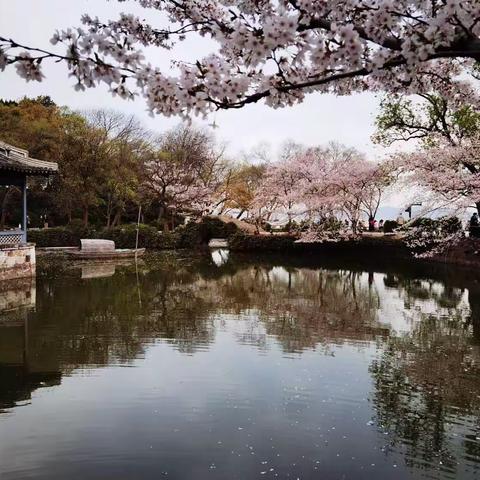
359,183
280,190
350,176
451,172
272,50
353,185
320,183
184,172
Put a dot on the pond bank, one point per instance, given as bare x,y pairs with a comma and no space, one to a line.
196,235
465,253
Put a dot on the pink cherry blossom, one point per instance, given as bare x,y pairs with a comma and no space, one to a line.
317,183
277,51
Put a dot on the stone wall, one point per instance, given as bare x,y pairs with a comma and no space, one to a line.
17,298
17,262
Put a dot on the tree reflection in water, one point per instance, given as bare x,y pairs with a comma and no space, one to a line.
426,374
427,381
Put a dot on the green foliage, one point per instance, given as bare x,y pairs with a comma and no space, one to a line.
148,237
191,235
68,236
330,224
389,226
199,233
212,227
124,236
450,224
55,237
430,119
77,227
393,114
467,119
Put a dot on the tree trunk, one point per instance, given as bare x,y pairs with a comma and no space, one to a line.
477,204
116,219
85,216
161,212
109,214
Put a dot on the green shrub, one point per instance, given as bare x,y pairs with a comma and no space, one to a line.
194,234
187,236
329,224
211,227
389,226
125,236
54,237
148,237
443,224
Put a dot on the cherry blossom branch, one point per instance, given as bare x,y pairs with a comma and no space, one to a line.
329,46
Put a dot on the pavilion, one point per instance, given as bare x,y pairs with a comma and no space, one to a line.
17,257
15,167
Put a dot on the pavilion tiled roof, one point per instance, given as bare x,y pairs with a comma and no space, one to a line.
15,159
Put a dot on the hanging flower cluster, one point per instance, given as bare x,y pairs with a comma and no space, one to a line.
275,50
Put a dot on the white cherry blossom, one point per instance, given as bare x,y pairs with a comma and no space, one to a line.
275,51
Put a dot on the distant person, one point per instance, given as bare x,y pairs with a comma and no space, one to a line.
400,220
474,220
380,224
371,224
474,226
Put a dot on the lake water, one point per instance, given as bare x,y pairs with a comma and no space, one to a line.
240,368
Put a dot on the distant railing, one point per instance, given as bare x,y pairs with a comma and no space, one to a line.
11,237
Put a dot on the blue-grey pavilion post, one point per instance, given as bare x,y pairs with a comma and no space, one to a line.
24,213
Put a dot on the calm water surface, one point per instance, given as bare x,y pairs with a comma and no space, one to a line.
228,368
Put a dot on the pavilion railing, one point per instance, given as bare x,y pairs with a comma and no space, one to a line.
11,237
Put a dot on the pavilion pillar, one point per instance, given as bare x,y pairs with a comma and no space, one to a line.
24,207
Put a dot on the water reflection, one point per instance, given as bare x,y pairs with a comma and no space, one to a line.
16,297
241,367
17,380
220,256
